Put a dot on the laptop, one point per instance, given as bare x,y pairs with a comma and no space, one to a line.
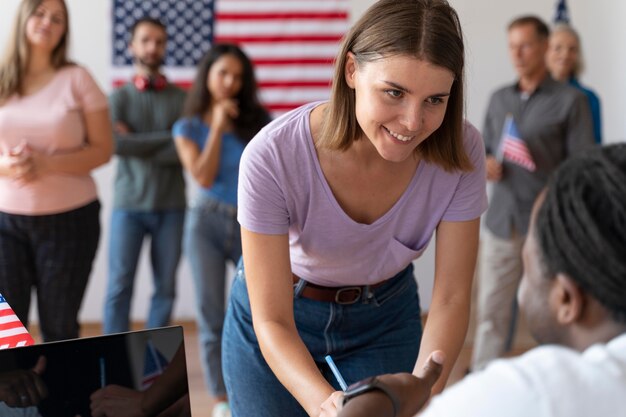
76,368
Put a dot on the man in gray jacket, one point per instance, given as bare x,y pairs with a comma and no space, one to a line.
149,195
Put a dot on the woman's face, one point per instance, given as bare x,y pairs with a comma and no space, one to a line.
400,101
47,25
225,77
562,55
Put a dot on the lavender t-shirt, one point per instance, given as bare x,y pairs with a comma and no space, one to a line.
282,189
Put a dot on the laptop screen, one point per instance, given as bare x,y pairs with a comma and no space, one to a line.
75,371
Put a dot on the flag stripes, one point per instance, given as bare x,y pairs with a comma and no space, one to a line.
12,331
292,44
513,148
517,152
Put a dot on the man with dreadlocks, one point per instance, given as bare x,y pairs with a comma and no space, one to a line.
573,297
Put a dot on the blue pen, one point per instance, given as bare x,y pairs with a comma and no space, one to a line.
336,372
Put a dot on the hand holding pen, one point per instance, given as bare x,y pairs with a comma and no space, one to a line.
332,405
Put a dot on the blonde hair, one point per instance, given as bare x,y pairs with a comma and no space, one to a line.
425,29
17,52
579,65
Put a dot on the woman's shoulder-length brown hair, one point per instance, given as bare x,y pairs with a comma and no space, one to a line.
17,51
425,29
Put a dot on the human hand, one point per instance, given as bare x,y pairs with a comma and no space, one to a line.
332,405
118,401
24,388
223,112
121,128
17,163
412,392
494,169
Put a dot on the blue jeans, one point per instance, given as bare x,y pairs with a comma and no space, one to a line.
374,336
128,230
212,239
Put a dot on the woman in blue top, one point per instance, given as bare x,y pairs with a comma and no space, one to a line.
221,114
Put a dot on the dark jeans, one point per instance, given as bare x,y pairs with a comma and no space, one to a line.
54,254
377,336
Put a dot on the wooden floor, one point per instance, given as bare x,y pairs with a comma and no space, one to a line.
202,403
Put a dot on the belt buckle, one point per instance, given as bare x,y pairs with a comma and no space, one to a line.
358,292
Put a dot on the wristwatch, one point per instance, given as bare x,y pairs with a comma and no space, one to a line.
371,384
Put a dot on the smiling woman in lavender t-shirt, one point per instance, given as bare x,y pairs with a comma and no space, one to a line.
336,199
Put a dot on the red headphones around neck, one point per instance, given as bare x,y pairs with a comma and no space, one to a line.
155,82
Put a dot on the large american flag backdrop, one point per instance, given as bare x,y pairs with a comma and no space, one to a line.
292,43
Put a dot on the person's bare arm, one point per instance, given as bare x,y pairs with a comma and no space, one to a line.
203,165
448,317
411,392
270,287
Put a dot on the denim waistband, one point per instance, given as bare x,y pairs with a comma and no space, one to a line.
205,202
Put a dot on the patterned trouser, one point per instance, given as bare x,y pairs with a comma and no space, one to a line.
53,254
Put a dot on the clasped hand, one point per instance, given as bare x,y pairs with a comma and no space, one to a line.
21,163
24,387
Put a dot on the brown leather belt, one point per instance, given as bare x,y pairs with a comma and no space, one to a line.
339,295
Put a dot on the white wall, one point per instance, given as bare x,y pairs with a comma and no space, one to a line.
484,22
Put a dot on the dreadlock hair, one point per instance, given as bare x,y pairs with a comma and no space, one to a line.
581,225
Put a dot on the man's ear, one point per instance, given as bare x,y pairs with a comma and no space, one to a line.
568,299
350,69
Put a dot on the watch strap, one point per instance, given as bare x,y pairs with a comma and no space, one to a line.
377,385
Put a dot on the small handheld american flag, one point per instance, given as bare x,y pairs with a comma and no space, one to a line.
513,148
12,331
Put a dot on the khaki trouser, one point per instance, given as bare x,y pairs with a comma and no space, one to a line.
500,274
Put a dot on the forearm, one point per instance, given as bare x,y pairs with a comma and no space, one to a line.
445,330
204,168
167,156
142,144
448,318
78,162
299,373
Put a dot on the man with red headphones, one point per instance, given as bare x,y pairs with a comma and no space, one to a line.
149,193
